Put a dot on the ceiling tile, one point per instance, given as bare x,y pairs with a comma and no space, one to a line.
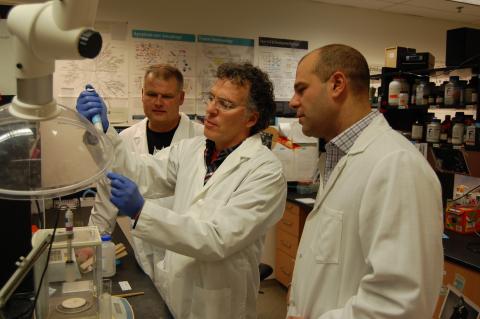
366,4
432,13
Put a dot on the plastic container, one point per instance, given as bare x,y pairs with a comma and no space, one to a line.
452,92
108,256
413,96
422,92
417,131
394,89
403,100
470,134
433,131
458,132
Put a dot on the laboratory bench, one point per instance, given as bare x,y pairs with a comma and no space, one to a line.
150,305
461,252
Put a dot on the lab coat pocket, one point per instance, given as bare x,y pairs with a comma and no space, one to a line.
327,242
161,275
211,303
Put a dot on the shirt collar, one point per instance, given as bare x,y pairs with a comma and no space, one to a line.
345,140
210,151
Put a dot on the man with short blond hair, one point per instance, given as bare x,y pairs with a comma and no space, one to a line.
164,124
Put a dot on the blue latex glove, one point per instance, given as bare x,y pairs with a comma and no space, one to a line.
125,195
89,104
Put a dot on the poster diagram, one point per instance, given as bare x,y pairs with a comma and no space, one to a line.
213,51
108,72
150,47
279,58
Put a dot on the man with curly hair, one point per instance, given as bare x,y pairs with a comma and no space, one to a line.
228,190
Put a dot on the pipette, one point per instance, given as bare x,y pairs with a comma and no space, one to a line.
96,119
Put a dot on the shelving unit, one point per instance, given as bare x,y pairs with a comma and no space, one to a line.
413,112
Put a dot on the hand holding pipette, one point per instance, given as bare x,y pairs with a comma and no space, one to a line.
92,106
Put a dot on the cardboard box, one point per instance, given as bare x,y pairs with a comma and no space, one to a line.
462,219
394,55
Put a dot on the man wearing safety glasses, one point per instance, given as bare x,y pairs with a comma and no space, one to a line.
228,190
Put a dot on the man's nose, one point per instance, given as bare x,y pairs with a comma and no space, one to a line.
210,108
294,102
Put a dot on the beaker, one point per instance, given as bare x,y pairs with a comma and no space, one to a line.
106,299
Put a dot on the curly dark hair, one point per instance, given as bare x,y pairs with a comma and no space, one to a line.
261,98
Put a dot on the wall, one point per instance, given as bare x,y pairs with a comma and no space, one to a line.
8,84
320,24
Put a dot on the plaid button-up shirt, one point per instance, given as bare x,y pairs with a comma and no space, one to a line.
213,163
341,144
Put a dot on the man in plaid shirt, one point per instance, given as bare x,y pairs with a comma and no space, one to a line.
371,246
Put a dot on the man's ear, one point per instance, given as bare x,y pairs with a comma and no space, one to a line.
252,118
182,97
338,83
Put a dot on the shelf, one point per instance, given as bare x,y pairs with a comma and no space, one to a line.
429,109
423,72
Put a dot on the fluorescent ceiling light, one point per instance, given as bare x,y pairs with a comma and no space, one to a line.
472,2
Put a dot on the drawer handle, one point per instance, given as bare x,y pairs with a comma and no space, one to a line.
286,244
287,222
285,271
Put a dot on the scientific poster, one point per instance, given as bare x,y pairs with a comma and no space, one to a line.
279,58
151,47
213,51
108,73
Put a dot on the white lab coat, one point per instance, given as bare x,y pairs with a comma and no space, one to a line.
372,247
104,213
215,232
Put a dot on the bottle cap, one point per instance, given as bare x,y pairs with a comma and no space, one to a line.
106,237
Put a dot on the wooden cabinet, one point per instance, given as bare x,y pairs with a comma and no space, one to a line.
470,279
288,232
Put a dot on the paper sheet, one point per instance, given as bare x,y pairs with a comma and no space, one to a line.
307,200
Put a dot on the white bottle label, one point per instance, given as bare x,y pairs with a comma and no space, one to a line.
433,133
470,135
403,100
457,134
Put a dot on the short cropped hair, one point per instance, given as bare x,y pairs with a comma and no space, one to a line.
261,98
165,72
339,57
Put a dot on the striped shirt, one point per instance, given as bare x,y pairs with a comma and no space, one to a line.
341,144
213,160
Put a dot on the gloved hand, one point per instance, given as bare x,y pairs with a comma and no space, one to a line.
89,103
125,195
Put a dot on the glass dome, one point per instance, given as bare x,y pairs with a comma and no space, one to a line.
50,158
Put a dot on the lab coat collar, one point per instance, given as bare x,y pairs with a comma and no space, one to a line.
140,132
183,127
244,152
371,132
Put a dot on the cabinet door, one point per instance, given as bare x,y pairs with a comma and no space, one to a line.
290,221
287,243
284,268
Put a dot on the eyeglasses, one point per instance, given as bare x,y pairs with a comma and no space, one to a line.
219,103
